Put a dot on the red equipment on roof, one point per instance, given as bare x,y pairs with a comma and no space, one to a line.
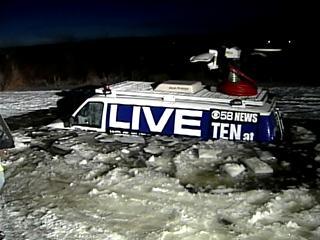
238,84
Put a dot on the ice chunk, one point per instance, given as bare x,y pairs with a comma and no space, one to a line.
83,162
222,190
130,139
125,151
285,164
120,138
233,169
83,151
104,138
105,158
20,141
257,166
258,197
93,192
161,164
60,149
259,216
153,149
266,156
302,135
208,153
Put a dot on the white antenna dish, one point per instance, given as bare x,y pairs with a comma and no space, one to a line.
207,57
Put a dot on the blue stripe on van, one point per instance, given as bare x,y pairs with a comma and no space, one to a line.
201,122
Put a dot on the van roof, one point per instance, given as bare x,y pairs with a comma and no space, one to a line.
194,93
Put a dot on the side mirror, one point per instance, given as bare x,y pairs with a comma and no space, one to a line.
69,122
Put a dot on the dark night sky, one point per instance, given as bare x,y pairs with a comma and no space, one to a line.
35,22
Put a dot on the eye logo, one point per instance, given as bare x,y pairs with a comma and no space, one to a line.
215,114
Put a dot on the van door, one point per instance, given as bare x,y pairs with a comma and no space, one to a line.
89,117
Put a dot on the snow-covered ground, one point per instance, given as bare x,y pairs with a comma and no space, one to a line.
17,103
77,185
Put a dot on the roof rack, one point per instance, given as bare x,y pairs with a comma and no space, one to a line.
144,90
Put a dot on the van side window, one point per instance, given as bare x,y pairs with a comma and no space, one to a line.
90,115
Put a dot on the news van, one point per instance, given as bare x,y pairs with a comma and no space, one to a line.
179,108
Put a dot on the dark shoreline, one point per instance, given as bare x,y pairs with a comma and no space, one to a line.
74,64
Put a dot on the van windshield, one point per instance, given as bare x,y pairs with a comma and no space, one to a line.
90,115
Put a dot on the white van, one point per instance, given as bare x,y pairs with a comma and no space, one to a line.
177,107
